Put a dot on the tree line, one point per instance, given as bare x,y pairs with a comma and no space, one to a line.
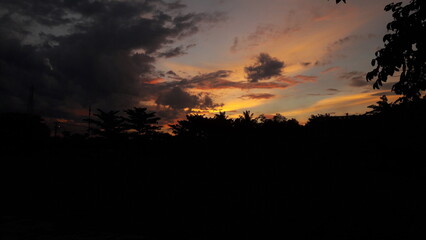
140,123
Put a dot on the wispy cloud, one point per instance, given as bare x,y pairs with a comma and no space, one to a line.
356,78
262,34
338,104
330,69
258,96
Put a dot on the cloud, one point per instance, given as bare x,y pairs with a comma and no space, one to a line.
176,94
330,69
175,5
234,47
265,67
81,53
262,34
357,79
219,80
175,52
306,78
333,90
341,104
258,96
351,38
177,98
344,40
155,81
171,73
333,50
297,79
329,92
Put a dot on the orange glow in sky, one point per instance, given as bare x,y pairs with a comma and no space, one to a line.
326,47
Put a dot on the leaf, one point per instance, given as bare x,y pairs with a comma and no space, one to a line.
389,7
387,38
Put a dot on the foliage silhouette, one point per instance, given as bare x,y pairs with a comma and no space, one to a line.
195,125
140,121
21,126
246,126
246,121
109,124
404,50
350,176
383,106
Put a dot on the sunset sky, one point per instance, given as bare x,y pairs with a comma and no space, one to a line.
180,57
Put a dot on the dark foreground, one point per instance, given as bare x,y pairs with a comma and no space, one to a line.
345,180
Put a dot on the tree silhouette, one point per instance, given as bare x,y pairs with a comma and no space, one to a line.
110,125
247,120
195,125
21,126
141,121
199,126
382,106
404,51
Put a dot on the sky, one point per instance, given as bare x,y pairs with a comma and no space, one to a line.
293,57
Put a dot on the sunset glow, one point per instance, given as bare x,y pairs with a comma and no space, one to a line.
305,57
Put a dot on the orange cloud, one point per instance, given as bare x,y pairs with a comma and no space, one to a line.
329,70
305,78
155,81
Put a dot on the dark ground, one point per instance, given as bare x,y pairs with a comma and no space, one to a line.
340,181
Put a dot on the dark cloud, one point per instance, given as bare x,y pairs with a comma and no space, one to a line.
387,86
173,52
330,92
219,80
171,73
333,90
234,47
176,52
90,52
357,79
385,93
351,38
175,5
177,98
258,96
265,67
208,80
